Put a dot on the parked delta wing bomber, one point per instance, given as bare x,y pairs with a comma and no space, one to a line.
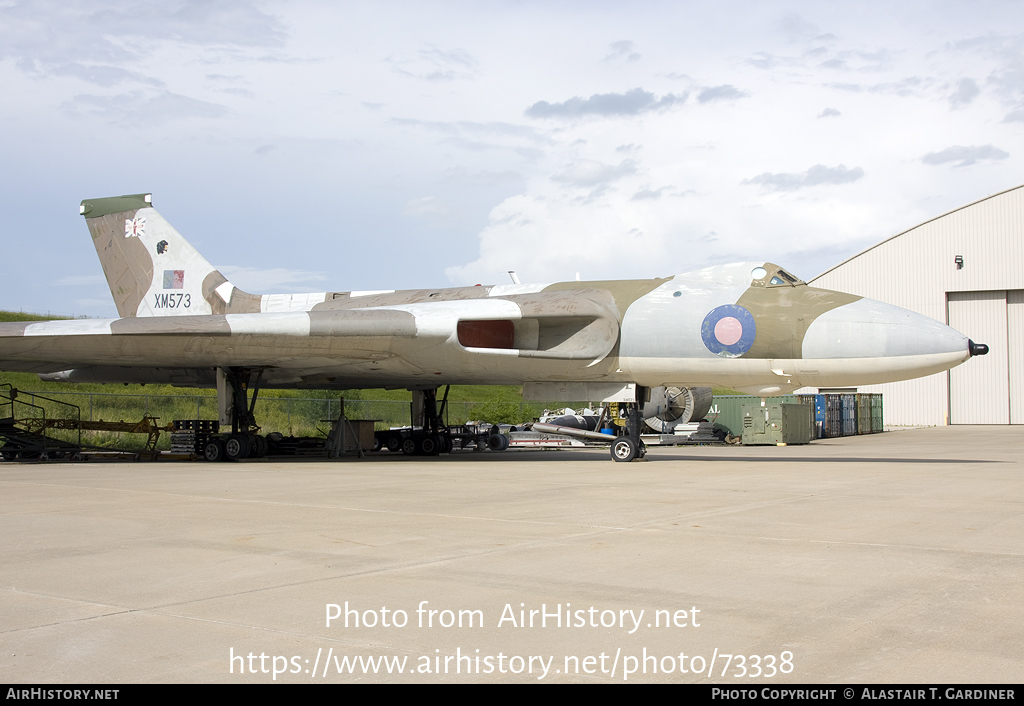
752,327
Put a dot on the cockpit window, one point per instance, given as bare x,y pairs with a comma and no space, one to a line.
771,275
782,278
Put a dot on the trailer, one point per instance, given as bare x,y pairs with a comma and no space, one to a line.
27,434
424,441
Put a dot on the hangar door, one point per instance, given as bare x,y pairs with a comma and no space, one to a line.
989,389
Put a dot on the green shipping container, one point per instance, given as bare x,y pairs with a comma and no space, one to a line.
777,424
838,414
726,411
864,413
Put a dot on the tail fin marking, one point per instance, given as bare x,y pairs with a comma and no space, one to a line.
151,269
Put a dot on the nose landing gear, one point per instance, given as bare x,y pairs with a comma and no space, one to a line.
629,447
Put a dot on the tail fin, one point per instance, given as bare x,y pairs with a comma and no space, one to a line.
151,269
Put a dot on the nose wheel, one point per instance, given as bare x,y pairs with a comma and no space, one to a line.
624,449
629,447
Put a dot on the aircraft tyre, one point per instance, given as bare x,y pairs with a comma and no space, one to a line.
377,444
429,446
394,443
259,446
446,445
624,449
497,442
409,446
237,447
214,450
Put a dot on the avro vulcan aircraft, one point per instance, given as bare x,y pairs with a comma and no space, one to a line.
753,327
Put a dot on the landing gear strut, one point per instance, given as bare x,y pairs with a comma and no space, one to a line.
629,447
433,437
429,434
236,409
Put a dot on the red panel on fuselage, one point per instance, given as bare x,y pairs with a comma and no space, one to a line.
486,334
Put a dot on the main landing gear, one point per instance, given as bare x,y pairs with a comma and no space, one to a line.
233,385
434,436
430,435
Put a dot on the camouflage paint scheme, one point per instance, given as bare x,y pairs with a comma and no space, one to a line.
748,326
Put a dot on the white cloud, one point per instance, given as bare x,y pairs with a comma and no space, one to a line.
818,175
431,211
273,280
966,91
141,108
648,194
435,65
50,35
964,156
718,93
622,50
632,102
589,172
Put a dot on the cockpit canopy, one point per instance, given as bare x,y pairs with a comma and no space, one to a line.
771,275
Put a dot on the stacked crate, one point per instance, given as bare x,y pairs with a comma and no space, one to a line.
191,435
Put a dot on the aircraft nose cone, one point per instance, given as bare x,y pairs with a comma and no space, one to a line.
870,329
976,348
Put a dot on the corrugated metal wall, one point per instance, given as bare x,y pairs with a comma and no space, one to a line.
917,270
1015,342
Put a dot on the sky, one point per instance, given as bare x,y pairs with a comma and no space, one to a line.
312,146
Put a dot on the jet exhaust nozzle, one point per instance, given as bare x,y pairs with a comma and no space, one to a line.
976,348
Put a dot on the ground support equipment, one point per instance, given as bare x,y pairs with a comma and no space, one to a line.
432,435
625,447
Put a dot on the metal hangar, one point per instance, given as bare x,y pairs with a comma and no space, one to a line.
964,268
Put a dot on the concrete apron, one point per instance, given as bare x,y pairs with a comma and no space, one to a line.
895,557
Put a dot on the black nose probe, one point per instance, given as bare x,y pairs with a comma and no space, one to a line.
976,348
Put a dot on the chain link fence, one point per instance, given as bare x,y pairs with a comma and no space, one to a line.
292,416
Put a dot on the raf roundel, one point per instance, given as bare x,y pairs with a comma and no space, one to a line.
728,331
